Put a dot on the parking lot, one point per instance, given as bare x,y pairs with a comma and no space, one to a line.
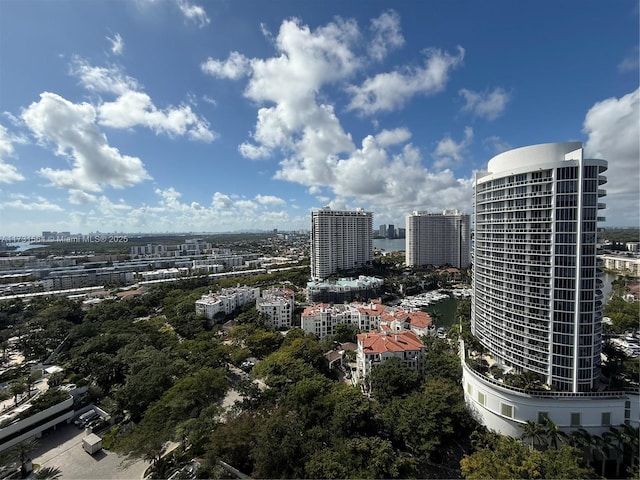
62,448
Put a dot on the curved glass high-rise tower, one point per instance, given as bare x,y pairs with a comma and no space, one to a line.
537,301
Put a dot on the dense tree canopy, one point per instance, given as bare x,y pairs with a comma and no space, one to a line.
505,457
162,372
393,379
625,315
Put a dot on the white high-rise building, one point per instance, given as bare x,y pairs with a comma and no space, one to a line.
437,239
537,293
340,240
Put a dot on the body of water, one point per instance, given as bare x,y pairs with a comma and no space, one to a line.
607,279
24,246
445,310
389,244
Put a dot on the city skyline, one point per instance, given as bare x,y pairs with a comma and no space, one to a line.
167,116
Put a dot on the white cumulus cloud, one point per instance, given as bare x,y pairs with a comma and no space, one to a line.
103,79
234,67
389,91
194,13
38,204
72,130
78,197
136,109
295,120
269,200
387,35
489,105
613,129
8,173
221,201
449,152
132,107
392,137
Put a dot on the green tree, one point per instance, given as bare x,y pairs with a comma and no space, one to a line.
195,433
286,430
583,441
430,422
21,452
17,388
281,369
188,397
534,431
360,457
234,441
352,414
345,333
439,359
146,384
553,433
511,459
624,315
393,378
261,343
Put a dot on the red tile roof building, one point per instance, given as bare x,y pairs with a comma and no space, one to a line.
322,318
375,348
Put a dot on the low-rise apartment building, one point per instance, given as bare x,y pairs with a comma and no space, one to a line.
345,289
277,304
626,265
226,300
374,348
321,319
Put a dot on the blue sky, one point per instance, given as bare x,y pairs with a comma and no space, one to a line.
193,115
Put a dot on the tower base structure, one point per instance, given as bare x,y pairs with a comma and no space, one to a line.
506,410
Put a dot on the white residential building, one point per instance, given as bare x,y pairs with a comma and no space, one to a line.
278,305
340,240
537,293
374,348
623,264
322,318
345,289
226,300
438,239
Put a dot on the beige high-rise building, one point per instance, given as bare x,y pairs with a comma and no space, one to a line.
340,240
437,239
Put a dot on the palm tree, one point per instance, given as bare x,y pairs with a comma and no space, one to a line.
21,452
627,440
535,431
583,440
436,317
553,433
48,473
594,447
602,450
613,441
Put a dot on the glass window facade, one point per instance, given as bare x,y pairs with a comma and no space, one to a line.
537,301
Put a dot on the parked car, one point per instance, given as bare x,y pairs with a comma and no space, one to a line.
85,418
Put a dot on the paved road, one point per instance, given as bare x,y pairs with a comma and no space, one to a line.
63,449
